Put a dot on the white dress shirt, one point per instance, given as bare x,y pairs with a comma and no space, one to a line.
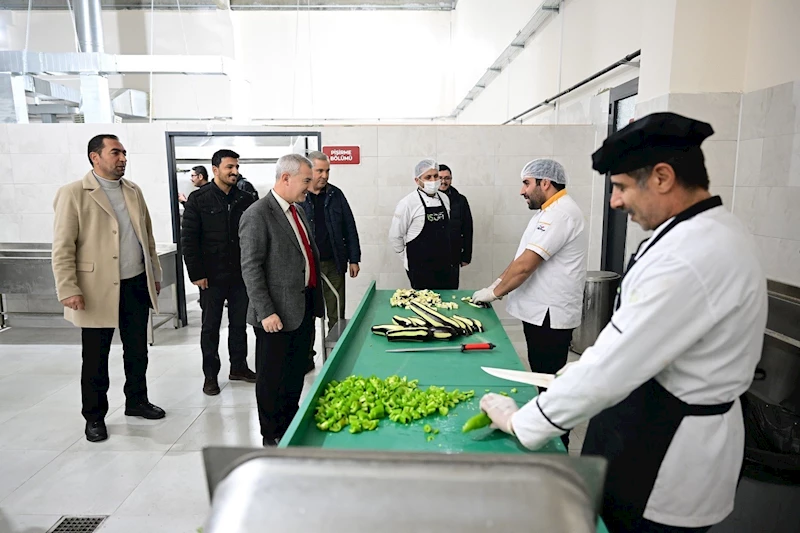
409,219
556,233
693,314
285,207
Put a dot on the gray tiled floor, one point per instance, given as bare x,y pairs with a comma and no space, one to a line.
149,475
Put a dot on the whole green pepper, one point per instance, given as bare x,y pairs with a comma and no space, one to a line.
476,422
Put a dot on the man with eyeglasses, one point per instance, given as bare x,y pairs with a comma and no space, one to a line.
460,224
199,177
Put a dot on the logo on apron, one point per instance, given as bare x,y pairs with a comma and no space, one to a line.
435,217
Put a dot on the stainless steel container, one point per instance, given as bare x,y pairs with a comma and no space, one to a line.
318,490
28,289
598,305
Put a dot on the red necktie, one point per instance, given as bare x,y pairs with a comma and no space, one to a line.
312,268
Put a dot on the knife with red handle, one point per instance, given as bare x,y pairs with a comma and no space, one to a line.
463,348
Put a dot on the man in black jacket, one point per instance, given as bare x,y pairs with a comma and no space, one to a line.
460,223
210,241
244,185
335,233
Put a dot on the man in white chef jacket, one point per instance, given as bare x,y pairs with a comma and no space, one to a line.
662,383
545,281
420,231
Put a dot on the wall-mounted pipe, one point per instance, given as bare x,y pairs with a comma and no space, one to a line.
625,61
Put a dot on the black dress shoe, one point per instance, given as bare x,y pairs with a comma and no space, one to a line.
245,374
145,410
211,387
96,431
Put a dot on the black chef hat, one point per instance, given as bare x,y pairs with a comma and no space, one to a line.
650,140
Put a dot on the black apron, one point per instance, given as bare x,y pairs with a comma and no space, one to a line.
429,259
635,434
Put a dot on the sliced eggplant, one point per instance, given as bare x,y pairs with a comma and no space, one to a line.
436,316
426,315
383,329
479,305
479,324
468,324
462,326
443,334
410,335
402,321
417,321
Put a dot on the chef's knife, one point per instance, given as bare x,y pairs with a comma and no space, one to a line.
462,348
520,376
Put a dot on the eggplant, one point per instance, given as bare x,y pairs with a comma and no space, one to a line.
410,335
383,329
403,321
436,317
426,315
417,321
443,334
463,324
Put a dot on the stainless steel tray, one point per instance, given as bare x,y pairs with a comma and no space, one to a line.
311,489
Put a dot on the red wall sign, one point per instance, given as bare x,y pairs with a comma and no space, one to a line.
343,155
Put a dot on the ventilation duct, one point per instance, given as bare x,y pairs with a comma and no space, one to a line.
130,103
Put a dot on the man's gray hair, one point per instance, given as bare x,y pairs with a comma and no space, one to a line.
317,156
291,164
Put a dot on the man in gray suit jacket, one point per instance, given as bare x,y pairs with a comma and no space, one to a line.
280,268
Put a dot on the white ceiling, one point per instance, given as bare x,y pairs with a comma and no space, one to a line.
404,5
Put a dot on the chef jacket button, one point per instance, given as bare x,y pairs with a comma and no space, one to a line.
114,231
116,283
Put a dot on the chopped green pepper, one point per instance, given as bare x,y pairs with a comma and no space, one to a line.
513,391
476,422
503,393
360,402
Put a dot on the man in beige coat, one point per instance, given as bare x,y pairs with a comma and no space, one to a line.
107,276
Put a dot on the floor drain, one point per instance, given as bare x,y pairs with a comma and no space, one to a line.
77,524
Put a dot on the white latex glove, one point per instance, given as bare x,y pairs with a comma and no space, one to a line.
497,282
499,408
484,295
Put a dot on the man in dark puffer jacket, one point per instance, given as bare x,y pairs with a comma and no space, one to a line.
210,241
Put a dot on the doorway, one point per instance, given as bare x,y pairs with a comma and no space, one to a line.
621,112
259,152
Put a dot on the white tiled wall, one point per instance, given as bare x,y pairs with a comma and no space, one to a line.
486,160
753,161
767,191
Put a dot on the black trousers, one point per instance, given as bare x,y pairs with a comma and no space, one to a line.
281,363
433,279
548,350
455,281
134,305
212,302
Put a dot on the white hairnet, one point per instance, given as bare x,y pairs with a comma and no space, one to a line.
544,168
424,166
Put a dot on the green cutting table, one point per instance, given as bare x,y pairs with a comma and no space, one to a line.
361,352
